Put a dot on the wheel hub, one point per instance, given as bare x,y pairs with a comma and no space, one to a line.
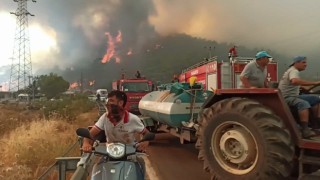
237,146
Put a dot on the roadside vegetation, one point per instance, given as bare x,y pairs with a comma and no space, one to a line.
31,137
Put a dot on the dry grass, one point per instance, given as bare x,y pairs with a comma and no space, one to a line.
29,147
12,116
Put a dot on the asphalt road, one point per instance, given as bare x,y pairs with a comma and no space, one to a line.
172,160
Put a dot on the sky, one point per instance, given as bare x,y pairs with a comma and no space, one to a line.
65,33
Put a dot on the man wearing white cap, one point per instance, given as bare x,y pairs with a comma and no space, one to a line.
289,86
254,74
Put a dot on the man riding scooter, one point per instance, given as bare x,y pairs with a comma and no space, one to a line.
118,124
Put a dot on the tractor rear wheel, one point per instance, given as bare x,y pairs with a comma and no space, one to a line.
239,138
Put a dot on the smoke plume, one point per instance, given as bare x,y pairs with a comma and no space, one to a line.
86,31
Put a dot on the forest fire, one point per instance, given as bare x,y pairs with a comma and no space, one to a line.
129,52
73,85
91,83
111,50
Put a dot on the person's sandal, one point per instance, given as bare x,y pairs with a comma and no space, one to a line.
307,133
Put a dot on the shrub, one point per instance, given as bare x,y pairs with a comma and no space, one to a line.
67,108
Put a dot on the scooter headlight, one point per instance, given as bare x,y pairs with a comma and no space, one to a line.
116,150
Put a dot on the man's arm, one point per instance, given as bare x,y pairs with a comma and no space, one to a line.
87,143
142,146
244,76
301,82
295,79
266,83
245,82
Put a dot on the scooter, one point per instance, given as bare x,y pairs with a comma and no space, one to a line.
117,161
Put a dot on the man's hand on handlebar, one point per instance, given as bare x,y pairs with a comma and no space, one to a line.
142,146
86,147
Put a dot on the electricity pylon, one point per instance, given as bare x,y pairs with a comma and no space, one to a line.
21,67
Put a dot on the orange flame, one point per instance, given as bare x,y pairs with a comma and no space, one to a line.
91,83
119,37
117,60
111,51
129,52
73,85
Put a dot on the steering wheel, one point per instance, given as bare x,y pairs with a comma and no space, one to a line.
310,90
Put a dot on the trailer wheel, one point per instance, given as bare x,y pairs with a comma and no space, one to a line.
242,139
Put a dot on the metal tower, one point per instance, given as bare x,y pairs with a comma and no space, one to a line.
21,68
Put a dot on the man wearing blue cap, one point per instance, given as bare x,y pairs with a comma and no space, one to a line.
254,74
289,86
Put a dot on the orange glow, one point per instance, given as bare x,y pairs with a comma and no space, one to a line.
129,52
118,60
4,86
73,85
119,37
91,83
111,51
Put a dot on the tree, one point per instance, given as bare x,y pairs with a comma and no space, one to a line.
52,85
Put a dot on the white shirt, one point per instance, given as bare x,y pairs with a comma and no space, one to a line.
255,74
286,87
124,130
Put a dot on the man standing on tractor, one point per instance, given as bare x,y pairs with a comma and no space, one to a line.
289,86
254,74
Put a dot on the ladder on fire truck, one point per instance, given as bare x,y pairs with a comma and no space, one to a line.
206,61
242,59
215,58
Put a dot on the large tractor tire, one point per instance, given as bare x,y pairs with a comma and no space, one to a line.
239,138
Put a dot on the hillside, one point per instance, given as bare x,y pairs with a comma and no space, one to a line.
159,60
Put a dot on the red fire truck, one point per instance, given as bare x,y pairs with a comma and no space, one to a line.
135,90
215,74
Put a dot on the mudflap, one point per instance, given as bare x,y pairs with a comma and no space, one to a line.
117,170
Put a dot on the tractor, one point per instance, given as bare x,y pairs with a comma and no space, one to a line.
253,134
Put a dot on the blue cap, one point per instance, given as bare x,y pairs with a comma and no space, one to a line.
298,59
262,54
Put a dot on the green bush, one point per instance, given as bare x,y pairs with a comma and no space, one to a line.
67,107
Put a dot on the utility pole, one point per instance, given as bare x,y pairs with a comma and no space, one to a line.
209,50
21,67
81,83
31,79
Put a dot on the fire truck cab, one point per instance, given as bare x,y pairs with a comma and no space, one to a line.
215,74
135,89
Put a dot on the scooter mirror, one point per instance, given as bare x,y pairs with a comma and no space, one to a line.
83,132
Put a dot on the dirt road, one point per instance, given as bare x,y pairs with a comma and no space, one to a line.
171,160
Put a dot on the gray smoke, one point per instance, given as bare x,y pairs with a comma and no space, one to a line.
286,27
81,25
